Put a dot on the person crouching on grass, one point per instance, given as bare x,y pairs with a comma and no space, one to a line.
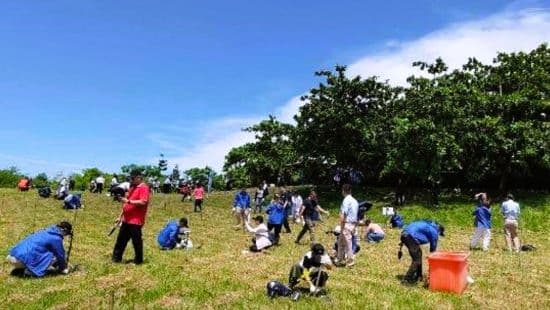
175,235
134,210
261,239
310,269
42,252
482,222
413,236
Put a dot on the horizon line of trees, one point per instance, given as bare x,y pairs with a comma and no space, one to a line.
482,125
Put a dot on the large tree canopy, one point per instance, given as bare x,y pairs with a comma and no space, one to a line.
482,124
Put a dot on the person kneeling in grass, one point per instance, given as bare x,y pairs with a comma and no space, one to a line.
310,269
175,235
413,236
374,232
42,252
261,239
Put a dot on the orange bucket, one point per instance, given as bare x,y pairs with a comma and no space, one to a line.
448,271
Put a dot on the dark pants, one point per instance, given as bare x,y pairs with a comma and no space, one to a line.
415,270
286,225
308,226
198,205
276,230
127,232
99,188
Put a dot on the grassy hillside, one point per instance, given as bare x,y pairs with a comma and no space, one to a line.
218,275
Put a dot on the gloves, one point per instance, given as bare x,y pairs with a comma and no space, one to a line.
65,271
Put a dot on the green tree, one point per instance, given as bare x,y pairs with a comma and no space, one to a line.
9,177
40,180
163,163
270,157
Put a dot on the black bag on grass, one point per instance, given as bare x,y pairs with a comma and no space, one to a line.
44,192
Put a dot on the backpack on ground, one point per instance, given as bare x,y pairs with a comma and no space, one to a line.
396,221
528,248
276,288
167,237
44,192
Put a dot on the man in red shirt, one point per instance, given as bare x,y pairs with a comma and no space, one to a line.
133,218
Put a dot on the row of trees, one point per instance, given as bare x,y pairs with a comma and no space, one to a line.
480,125
10,176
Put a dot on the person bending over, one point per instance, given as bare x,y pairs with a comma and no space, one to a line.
175,235
373,232
413,236
42,251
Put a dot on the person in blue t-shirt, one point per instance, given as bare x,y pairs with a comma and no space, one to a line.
413,236
482,222
276,212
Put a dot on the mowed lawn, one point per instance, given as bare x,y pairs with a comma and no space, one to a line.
218,275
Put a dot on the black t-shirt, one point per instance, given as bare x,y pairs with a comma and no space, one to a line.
309,207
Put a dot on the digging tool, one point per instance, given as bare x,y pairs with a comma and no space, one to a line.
117,224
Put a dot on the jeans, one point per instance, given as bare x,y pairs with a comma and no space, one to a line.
415,269
375,237
127,232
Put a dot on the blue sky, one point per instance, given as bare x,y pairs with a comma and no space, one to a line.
106,83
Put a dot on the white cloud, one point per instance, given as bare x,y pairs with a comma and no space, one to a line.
504,32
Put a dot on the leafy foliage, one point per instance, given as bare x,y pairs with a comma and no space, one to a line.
479,125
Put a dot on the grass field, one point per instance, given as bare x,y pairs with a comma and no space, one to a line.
218,275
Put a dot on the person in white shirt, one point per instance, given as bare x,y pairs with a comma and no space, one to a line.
348,222
297,202
261,235
100,180
510,211
114,181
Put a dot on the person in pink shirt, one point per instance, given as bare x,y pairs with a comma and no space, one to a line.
198,194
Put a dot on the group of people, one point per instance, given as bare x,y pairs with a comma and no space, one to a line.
510,211
43,252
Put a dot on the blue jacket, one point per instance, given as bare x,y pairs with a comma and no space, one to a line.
242,200
424,232
276,213
168,236
482,217
37,251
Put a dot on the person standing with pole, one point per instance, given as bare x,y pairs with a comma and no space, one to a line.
134,210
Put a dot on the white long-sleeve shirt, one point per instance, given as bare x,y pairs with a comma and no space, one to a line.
261,233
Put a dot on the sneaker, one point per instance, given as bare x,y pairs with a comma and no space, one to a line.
350,263
295,296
